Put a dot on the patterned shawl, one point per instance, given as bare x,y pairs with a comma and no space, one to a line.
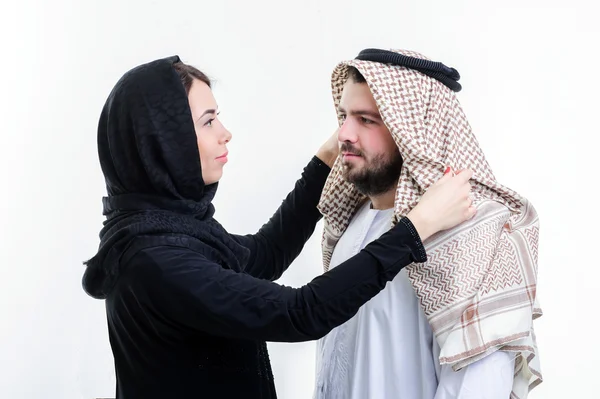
478,287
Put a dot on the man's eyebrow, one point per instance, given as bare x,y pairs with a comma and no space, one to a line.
361,112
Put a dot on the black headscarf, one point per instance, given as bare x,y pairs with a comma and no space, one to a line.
149,156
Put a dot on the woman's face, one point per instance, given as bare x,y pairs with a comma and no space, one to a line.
211,135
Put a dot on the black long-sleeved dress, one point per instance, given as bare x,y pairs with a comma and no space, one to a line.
182,326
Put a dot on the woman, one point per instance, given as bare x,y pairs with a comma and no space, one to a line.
189,305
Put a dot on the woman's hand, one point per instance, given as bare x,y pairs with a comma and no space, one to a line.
446,204
329,151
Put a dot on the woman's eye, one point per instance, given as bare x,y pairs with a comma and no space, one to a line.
209,123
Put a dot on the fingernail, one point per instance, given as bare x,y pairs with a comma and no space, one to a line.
447,170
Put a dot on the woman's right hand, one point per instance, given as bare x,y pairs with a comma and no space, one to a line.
444,205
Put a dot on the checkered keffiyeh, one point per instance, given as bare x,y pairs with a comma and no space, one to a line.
478,287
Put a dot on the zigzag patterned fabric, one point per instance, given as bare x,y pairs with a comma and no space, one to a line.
478,287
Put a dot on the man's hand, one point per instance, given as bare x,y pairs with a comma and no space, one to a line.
329,151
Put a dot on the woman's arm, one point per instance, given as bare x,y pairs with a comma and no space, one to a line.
279,241
181,287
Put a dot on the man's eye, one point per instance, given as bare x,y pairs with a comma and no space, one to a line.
366,121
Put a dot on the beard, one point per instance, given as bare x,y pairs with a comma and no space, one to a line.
377,175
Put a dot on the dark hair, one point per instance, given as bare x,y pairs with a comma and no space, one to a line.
188,73
355,75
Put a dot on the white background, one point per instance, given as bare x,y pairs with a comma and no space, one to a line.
531,82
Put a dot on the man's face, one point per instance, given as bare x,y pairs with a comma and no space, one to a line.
370,156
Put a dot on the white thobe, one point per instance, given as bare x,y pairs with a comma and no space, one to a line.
387,350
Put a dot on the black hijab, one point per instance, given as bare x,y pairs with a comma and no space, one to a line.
149,156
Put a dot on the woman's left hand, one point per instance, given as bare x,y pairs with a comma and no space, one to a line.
329,151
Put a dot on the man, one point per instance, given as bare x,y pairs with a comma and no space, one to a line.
459,326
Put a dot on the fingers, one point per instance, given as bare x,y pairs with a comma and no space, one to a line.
469,201
448,174
461,176
464,175
443,180
471,212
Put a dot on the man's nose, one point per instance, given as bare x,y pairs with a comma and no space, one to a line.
347,132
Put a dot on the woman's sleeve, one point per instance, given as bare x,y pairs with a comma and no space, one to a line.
186,288
279,241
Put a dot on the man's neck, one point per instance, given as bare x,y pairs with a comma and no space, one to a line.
383,201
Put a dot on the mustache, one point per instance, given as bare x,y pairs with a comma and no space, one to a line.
347,147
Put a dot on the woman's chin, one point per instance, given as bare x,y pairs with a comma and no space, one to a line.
213,178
